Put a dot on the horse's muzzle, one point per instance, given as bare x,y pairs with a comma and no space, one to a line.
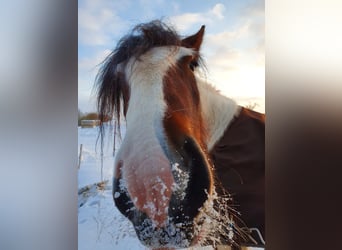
191,186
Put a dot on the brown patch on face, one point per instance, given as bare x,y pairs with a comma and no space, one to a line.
183,116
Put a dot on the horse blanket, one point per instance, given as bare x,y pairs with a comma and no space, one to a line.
239,160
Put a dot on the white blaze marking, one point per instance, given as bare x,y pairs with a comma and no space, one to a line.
145,78
145,164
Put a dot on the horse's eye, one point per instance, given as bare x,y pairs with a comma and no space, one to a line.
193,65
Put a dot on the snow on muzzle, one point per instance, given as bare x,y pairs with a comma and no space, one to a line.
160,188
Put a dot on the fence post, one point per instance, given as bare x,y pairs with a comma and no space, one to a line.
80,157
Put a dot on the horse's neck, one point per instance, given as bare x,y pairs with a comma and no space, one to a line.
218,111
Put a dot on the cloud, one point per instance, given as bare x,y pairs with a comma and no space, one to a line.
97,21
187,20
90,63
218,10
235,57
87,70
226,38
256,8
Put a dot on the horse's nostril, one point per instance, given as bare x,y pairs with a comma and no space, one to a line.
122,200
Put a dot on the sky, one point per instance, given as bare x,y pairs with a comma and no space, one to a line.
233,46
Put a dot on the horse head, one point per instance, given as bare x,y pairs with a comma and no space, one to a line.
163,180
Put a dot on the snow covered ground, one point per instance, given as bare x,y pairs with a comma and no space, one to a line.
100,225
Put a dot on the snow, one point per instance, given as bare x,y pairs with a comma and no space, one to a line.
182,180
100,224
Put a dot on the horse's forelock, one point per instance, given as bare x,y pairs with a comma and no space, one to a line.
155,34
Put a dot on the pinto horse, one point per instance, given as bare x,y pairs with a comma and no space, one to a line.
190,168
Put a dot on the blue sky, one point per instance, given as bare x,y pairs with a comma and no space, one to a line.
233,46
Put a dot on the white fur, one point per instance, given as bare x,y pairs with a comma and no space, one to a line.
218,111
145,77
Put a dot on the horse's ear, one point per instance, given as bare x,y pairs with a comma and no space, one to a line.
195,40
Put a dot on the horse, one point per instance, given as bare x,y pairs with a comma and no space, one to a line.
190,169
